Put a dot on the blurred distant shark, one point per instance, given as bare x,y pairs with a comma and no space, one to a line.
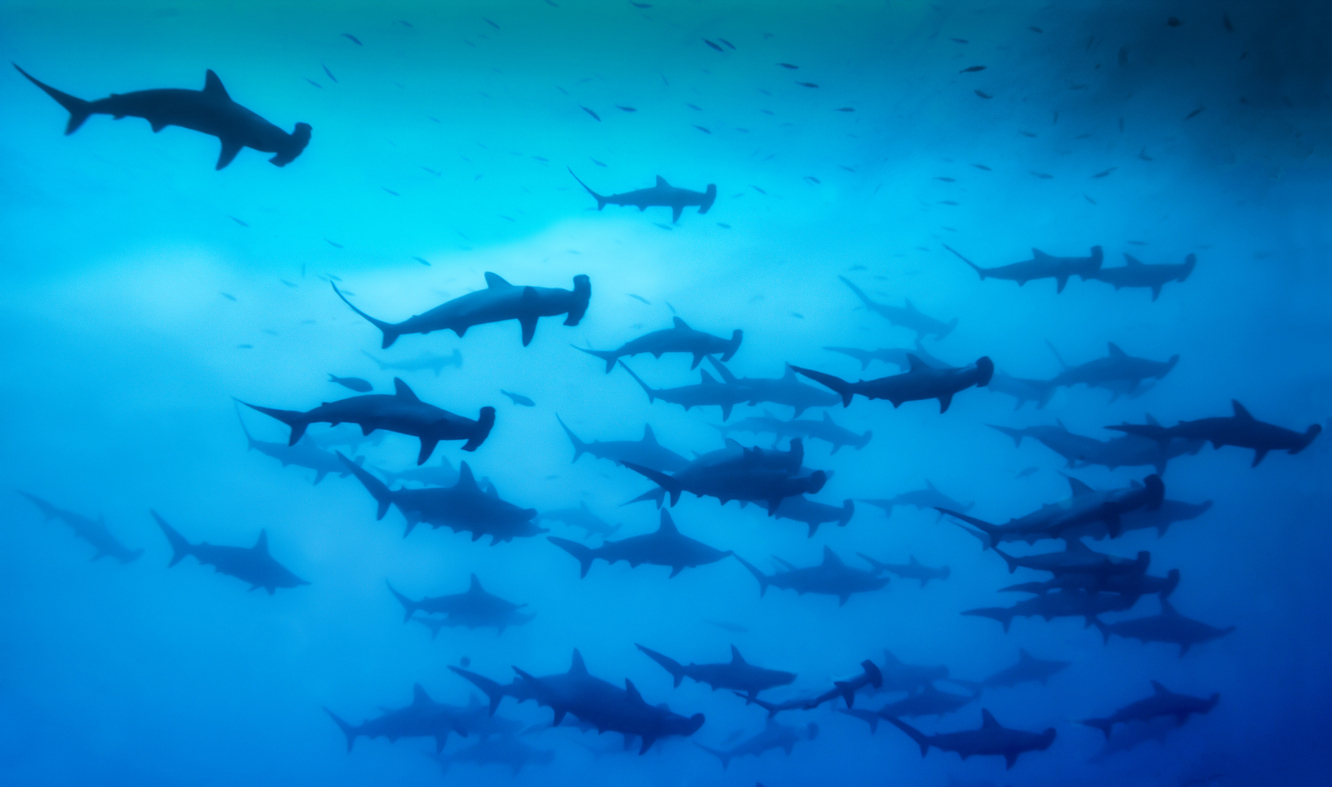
473,608
750,475
831,577
991,739
1060,520
1162,702
582,517
1153,277
1241,430
1118,372
814,513
435,363
785,390
736,674
928,497
303,454
921,382
210,111
423,718
774,735
1169,627
498,302
679,338
825,429
662,194
94,532
705,393
504,750
908,316
1042,266
666,546
646,452
248,564
913,569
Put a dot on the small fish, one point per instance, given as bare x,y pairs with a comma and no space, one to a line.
858,268
316,84
404,23
694,106
1035,30
846,109
734,628
1027,134
639,5
1137,243
1043,175
434,172
1104,173
982,166
354,383
640,298
666,227
848,169
598,163
1089,199
1194,113
331,277
742,130
971,69
594,115
391,191
811,179
700,128
1142,154
422,261
807,84
798,315
508,218
330,73
1174,21
983,94
228,296
759,190
714,46
944,178
723,225
288,283
238,221
519,399
947,202
332,243
961,41
1055,119
623,108
766,111
791,66
245,347
727,43
542,159
1024,472
1225,20
669,306
492,24
352,39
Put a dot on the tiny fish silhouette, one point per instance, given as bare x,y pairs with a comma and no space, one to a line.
1043,175
518,399
238,221
492,24
333,244
983,95
598,163
971,69
640,298
352,39
1194,113
330,73
723,225
727,43
228,296
982,166
316,84
624,108
714,46
704,130
423,262
594,115
1105,173
807,84
353,383
789,65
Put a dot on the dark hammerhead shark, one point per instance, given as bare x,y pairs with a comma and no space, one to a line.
662,194
210,111
1041,266
248,564
679,338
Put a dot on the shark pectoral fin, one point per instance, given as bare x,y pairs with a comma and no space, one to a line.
427,448
1062,280
676,210
528,319
229,150
158,125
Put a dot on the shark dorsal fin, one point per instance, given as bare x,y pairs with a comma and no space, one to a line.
913,561
475,587
707,378
213,86
661,182
419,696
1167,608
1023,655
1079,488
667,524
261,545
1240,413
987,720
1075,545
632,691
731,443
577,667
790,374
915,362
648,435
830,558
401,389
680,324
736,658
930,485
1115,352
1037,254
496,282
1159,689
1131,261
465,478
1151,420
583,505
827,419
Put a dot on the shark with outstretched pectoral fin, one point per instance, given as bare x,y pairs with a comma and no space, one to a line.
210,111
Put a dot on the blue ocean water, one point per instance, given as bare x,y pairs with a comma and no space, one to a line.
144,291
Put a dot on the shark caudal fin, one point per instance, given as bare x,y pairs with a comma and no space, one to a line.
835,383
662,480
383,497
978,269
724,756
584,555
941,335
582,295
493,691
652,394
1016,434
609,356
78,109
1104,725
485,421
347,729
389,330
580,447
733,345
1001,614
601,201
915,734
763,579
180,548
408,605
293,418
667,663
989,530
709,197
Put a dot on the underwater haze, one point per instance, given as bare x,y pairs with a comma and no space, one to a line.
1073,528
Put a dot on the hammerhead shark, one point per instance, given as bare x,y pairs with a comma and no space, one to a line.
248,564
908,316
662,194
1241,430
210,111
679,338
992,738
1153,277
1041,266
921,382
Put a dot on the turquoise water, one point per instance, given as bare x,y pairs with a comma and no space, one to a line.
143,290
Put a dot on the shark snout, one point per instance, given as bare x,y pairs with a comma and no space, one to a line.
296,142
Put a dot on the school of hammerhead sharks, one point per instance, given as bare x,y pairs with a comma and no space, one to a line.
1077,581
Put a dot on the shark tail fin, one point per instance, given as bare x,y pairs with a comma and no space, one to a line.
132,556
724,756
1190,262
1002,614
662,480
915,734
601,201
986,528
667,663
835,383
580,447
493,691
408,605
652,395
1016,434
293,418
1104,725
709,197
582,554
763,579
1104,629
609,356
248,437
978,269
383,497
347,729
180,548
389,330
78,109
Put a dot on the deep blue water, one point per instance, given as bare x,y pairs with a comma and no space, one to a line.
142,290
